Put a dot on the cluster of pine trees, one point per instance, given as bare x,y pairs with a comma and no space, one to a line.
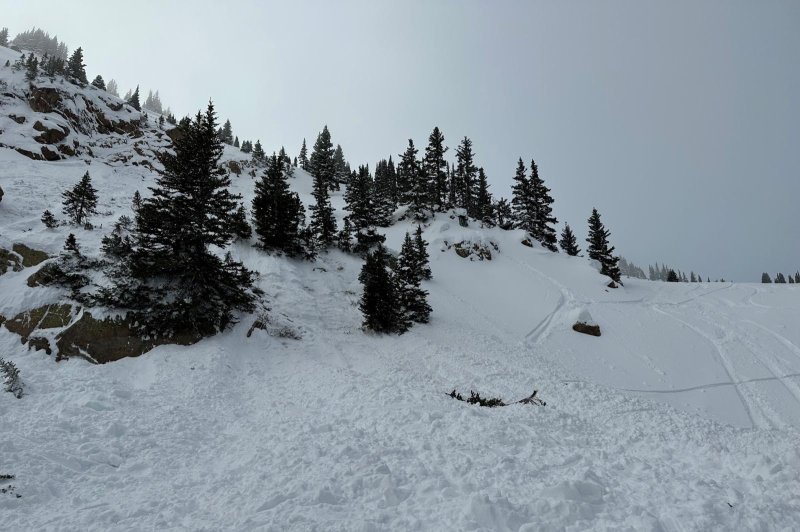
674,275
781,279
36,40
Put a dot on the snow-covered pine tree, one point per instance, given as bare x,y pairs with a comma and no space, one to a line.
323,222
360,199
780,279
544,231
236,143
483,201
76,70
568,241
503,216
436,169
341,169
408,278
99,83
379,301
385,193
112,88
278,214
4,37
599,249
49,220
11,378
344,240
227,133
179,284
80,203
321,164
303,158
423,259
521,200
672,277
133,99
259,156
288,168
31,68
465,177
407,173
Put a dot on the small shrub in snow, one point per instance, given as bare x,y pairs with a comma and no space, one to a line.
11,378
49,220
476,399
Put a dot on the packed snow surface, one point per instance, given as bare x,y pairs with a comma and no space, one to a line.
683,415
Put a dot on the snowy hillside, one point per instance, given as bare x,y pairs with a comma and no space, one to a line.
683,415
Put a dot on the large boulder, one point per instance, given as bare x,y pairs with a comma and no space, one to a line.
586,325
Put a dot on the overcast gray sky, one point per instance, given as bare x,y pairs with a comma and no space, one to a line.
679,120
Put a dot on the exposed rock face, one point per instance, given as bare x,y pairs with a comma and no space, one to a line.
30,256
9,260
472,251
50,135
44,99
17,119
46,317
175,134
50,155
44,276
111,339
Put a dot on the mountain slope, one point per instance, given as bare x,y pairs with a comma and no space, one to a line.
683,415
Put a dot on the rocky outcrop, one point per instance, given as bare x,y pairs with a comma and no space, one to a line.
50,135
30,256
44,276
110,339
472,250
46,317
44,99
9,260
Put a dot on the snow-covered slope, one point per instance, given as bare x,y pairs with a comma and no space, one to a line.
683,415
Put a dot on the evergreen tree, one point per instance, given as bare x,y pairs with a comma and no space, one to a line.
568,241
344,240
780,278
423,263
236,142
412,298
259,157
599,249
765,278
692,278
379,302
81,202
504,217
436,169
227,133
790,279
288,169
323,223
543,211
321,164
112,88
49,220
71,245
672,277
239,226
136,202
341,167
76,70
412,183
797,277
359,197
99,83
465,177
483,201
247,146
4,37
522,201
178,282
303,159
31,68
385,193
278,214
133,100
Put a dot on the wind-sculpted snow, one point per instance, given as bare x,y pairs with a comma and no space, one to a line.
683,415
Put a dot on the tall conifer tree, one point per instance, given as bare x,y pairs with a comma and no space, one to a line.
436,168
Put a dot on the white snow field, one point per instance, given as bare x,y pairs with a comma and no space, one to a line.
683,415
